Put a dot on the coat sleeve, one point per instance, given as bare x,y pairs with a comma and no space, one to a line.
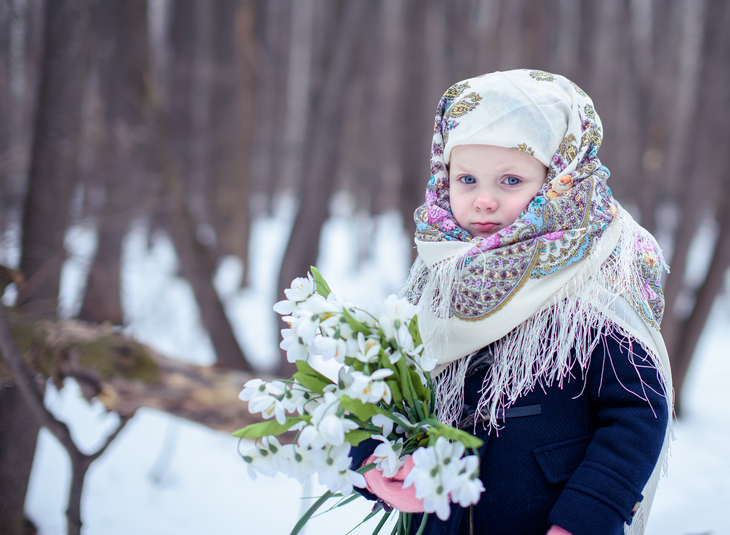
632,410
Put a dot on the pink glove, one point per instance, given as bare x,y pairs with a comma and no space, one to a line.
390,489
557,530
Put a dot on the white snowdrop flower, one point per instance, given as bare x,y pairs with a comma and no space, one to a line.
393,355
467,488
330,428
294,346
388,455
264,397
331,348
305,325
395,313
370,388
333,471
368,348
265,457
435,473
295,397
333,428
425,362
269,407
316,312
310,438
343,481
344,378
384,423
437,501
301,289
404,423
448,455
329,402
260,388
403,338
300,464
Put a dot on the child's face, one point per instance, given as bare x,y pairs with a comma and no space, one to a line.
490,186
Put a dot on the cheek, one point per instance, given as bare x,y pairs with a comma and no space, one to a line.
459,205
517,207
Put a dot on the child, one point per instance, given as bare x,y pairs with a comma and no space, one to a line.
540,297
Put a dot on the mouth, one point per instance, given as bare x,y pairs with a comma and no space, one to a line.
485,227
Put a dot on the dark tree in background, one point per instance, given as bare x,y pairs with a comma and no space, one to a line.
197,116
51,178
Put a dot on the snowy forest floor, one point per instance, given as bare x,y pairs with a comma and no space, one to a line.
164,475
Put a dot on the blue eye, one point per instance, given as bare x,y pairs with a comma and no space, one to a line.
511,180
468,179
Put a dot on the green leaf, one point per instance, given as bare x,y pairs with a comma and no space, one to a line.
265,429
364,411
310,378
415,333
381,523
355,325
368,517
356,436
469,440
304,367
323,288
421,391
394,390
314,384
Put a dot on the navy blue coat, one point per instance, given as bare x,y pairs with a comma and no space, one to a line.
581,463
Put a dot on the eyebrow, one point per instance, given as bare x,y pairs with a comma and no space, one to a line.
501,170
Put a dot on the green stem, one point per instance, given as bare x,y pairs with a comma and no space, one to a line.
423,524
306,516
407,387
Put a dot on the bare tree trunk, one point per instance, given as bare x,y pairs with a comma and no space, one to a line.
13,148
510,36
196,248
418,109
18,433
709,141
227,183
127,118
298,93
52,174
55,152
568,40
386,129
684,125
303,244
33,399
691,328
270,96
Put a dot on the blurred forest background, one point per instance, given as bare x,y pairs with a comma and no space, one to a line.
197,115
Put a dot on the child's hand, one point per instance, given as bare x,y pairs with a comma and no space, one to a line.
557,530
390,489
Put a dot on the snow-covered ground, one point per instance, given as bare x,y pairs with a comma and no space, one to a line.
163,475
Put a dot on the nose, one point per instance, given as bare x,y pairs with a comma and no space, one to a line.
485,201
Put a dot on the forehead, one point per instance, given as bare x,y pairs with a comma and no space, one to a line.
492,157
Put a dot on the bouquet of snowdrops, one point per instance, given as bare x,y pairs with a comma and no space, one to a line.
383,391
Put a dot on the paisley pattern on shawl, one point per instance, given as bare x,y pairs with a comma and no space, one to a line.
560,226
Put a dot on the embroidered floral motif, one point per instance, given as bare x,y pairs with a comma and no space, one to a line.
455,90
579,90
464,105
542,76
522,147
